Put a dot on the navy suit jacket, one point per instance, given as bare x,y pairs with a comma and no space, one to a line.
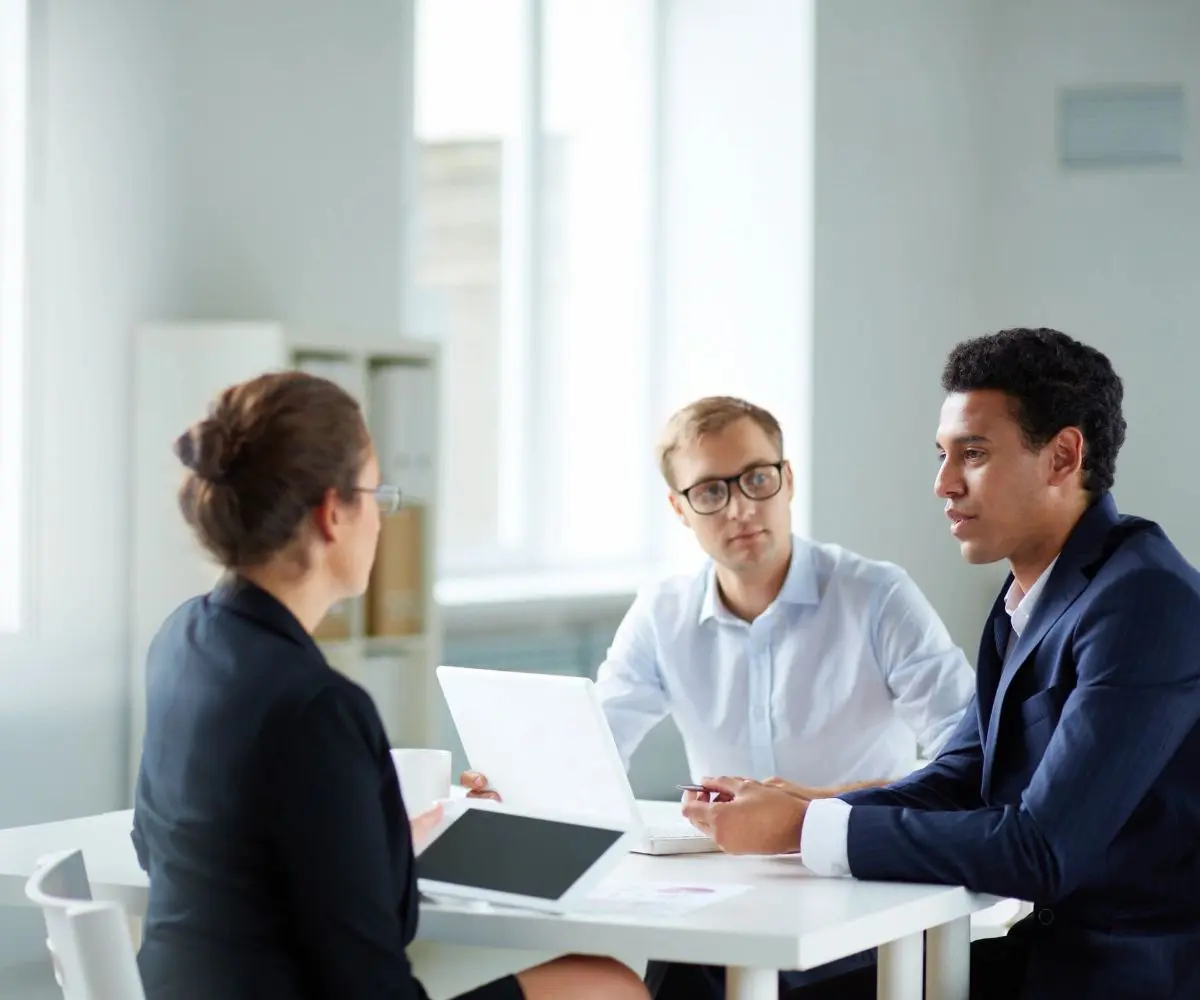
1074,780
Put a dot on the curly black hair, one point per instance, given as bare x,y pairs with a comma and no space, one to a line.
1054,382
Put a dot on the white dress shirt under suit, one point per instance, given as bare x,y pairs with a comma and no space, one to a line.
849,675
823,843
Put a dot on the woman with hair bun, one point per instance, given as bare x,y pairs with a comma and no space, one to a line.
268,814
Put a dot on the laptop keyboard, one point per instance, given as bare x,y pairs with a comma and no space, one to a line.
662,820
674,831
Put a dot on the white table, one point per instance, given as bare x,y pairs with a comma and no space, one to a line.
789,919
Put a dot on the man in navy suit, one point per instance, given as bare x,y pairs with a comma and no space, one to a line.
1074,779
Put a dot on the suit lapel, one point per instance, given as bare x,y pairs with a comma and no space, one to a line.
988,667
1001,633
992,644
1067,581
1065,584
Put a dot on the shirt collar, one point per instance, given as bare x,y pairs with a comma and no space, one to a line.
250,601
1019,604
800,586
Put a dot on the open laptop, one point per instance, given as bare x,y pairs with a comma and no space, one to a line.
545,744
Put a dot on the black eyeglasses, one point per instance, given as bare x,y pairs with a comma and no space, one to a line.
758,483
387,496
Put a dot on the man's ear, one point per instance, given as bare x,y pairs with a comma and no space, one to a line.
789,480
677,503
1067,449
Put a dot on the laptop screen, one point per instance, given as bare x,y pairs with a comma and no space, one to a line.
502,852
551,748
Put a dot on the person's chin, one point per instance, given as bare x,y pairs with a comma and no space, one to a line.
978,554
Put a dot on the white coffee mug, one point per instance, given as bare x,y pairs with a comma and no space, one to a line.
424,777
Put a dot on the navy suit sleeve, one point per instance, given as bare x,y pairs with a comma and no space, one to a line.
1136,699
951,781
336,860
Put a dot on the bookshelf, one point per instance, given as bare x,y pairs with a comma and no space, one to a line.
390,640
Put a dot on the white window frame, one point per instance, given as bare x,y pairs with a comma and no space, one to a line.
14,103
523,549
520,307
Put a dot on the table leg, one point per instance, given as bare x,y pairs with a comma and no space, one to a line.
901,964
948,961
751,984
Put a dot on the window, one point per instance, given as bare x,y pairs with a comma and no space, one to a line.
13,91
534,123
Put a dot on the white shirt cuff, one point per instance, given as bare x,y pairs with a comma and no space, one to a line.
823,841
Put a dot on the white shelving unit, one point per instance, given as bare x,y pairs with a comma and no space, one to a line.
398,386
179,368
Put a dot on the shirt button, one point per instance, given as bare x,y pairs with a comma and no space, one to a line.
1045,916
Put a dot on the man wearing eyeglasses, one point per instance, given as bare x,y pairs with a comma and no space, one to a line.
782,657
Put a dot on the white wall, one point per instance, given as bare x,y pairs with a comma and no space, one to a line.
1109,256
941,213
206,160
99,215
291,150
899,210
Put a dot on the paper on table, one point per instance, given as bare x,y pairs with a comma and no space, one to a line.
657,899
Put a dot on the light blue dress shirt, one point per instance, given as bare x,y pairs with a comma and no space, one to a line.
849,675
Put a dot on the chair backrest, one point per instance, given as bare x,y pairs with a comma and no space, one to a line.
89,942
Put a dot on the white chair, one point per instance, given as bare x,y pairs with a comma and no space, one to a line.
89,941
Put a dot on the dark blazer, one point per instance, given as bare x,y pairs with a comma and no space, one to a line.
1074,781
268,816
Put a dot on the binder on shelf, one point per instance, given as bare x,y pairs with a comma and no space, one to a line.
395,598
402,418
423,415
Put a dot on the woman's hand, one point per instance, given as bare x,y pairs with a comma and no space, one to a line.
424,823
478,785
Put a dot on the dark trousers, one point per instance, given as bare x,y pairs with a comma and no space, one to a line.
997,973
673,981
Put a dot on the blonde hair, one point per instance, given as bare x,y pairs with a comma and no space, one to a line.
710,415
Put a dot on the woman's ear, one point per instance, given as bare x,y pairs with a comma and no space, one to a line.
327,516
